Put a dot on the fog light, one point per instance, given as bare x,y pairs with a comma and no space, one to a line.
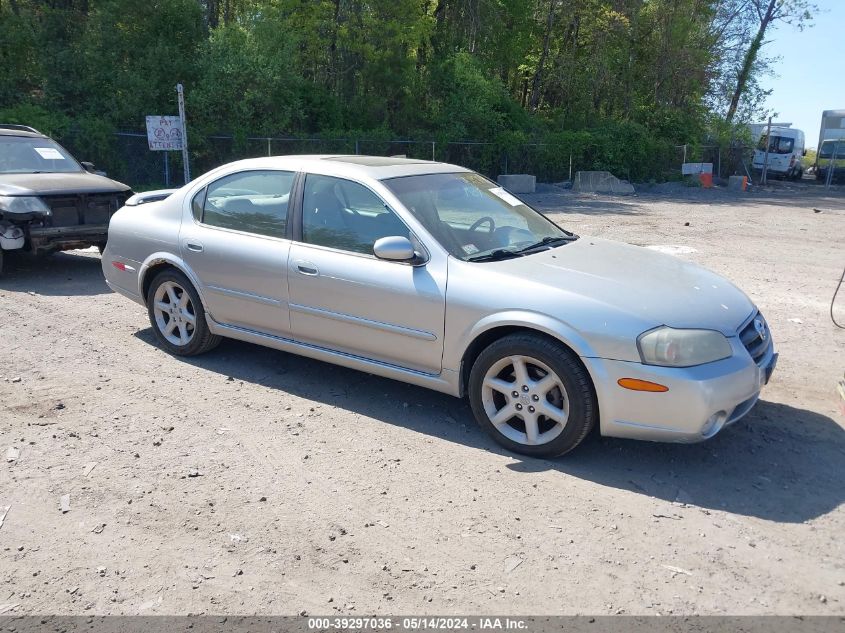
11,237
713,424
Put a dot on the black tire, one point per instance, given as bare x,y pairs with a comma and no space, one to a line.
201,339
582,403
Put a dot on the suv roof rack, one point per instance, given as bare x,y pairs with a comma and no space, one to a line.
15,126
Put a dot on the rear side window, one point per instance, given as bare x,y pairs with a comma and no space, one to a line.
197,204
249,201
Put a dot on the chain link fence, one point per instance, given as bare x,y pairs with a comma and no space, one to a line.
125,156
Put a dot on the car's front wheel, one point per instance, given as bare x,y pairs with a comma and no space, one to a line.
177,315
532,395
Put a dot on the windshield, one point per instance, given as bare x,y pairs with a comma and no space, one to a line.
779,145
473,217
828,147
29,155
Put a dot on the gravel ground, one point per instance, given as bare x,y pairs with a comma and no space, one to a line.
252,481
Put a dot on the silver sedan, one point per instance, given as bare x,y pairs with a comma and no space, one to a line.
431,274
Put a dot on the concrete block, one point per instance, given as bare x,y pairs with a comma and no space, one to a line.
600,182
738,183
518,183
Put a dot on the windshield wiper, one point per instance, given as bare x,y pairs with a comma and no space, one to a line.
498,254
549,241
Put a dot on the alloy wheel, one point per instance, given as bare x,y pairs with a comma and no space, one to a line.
525,400
174,312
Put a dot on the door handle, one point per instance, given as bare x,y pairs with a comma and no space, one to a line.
193,246
307,268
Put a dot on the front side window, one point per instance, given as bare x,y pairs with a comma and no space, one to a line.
473,217
32,155
249,201
778,145
346,215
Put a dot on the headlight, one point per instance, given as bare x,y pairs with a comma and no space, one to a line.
23,204
668,347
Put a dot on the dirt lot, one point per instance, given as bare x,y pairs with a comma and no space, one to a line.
252,481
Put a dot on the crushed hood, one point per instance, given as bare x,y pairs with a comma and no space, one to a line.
57,183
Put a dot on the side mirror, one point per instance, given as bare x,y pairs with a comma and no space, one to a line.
88,166
394,249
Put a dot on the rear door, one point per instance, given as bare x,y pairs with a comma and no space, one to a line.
343,298
237,246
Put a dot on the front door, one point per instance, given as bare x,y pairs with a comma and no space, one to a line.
343,298
237,247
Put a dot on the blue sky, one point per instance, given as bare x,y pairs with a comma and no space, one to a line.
811,74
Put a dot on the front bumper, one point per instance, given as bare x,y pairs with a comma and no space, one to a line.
700,402
67,237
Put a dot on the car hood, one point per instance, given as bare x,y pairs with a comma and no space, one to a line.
52,184
653,288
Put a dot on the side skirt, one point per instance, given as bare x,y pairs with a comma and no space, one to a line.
447,381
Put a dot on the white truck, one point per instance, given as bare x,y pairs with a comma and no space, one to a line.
786,149
831,145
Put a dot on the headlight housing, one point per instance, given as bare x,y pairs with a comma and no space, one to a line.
668,347
23,204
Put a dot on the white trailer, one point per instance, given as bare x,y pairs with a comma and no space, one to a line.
758,129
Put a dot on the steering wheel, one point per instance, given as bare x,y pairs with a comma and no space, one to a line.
481,221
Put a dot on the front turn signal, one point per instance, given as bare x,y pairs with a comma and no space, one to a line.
635,384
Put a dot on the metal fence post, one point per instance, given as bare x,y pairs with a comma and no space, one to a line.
180,93
766,158
832,165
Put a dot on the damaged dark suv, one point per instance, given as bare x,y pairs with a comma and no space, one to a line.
48,200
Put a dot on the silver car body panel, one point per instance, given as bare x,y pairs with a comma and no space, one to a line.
415,322
243,276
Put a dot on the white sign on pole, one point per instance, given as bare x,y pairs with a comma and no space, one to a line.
164,133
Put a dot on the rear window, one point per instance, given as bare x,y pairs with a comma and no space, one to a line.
28,155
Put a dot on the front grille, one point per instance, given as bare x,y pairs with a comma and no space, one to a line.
81,209
756,337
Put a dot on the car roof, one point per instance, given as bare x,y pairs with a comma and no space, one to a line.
375,167
20,133
13,129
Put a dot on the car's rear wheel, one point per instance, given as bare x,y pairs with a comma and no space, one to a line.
177,315
532,395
